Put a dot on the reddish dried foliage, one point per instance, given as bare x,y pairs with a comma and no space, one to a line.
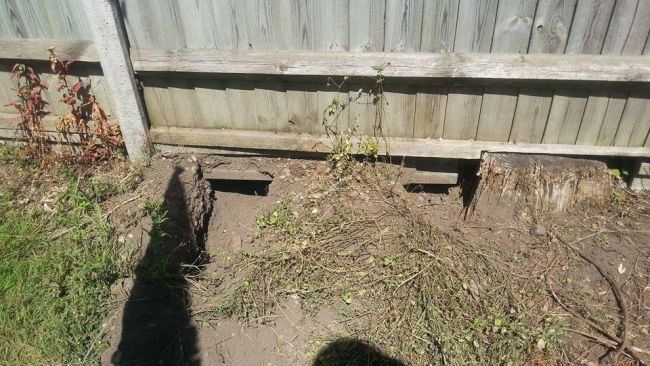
85,131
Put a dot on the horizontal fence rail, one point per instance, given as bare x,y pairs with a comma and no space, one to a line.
399,65
457,149
313,63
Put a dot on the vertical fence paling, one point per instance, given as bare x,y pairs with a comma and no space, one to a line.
112,49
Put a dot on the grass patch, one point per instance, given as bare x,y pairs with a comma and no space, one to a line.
57,262
418,292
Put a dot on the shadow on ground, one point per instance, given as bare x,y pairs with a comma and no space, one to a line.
156,324
353,352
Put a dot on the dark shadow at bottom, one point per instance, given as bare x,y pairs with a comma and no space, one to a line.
353,352
156,324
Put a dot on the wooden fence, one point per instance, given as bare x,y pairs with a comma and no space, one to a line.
462,76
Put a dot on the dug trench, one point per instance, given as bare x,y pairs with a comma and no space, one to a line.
260,261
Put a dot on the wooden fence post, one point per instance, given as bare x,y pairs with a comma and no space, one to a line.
112,48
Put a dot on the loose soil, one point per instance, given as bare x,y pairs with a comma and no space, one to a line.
177,320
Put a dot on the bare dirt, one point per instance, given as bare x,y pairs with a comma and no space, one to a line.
172,321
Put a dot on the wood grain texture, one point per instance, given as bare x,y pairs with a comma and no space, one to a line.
551,26
611,119
240,95
400,110
511,34
497,114
639,30
430,111
36,49
331,19
589,26
212,103
367,25
513,26
531,115
403,25
271,106
475,25
619,27
593,117
42,19
364,111
439,26
302,108
463,111
422,65
256,140
635,121
565,116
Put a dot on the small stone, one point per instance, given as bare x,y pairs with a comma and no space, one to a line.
537,230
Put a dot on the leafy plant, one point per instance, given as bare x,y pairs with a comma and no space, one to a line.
369,147
98,139
31,106
618,197
343,147
95,139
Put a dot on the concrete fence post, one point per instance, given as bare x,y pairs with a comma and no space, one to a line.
112,48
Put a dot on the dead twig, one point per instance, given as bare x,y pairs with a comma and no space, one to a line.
624,342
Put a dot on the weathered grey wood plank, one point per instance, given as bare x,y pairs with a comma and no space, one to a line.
153,99
513,26
101,91
511,34
367,25
326,94
447,65
431,107
635,121
271,105
589,27
398,146
212,103
403,25
331,20
160,88
154,23
36,49
28,19
531,115
565,116
438,35
639,31
67,20
619,27
183,100
439,26
240,95
7,95
497,114
641,129
551,26
302,108
593,117
400,110
612,117
363,113
475,25
463,111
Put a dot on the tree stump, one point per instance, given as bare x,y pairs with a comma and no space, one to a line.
538,183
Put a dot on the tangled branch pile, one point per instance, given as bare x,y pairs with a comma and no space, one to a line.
422,294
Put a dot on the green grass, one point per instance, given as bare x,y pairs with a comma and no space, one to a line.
56,268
